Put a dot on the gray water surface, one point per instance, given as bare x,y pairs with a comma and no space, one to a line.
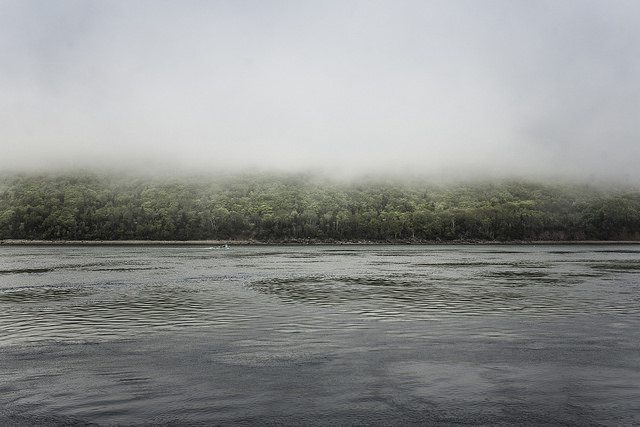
320,335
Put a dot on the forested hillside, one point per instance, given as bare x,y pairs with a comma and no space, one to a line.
304,208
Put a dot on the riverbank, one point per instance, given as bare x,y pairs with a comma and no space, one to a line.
21,242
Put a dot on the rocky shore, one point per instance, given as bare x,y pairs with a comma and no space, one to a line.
21,242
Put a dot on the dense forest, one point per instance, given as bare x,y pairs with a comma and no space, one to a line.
281,208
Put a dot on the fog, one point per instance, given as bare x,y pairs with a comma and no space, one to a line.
500,88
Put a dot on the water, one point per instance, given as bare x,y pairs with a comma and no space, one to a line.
320,335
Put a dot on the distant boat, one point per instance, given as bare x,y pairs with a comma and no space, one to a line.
225,246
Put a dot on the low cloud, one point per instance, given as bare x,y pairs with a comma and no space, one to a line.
540,89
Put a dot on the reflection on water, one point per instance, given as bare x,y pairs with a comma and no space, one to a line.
330,334
26,270
39,294
627,265
111,310
387,298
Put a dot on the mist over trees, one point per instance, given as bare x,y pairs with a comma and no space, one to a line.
298,208
521,88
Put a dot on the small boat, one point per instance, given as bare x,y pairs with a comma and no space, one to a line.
225,246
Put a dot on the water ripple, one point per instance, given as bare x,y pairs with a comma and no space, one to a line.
319,335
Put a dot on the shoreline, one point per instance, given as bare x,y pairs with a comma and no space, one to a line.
302,242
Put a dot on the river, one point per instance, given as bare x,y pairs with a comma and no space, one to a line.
308,335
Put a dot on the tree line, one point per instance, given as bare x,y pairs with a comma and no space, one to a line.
307,208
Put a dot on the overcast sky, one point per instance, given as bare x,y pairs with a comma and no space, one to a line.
514,87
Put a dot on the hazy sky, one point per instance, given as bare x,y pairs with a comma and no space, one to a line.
516,87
